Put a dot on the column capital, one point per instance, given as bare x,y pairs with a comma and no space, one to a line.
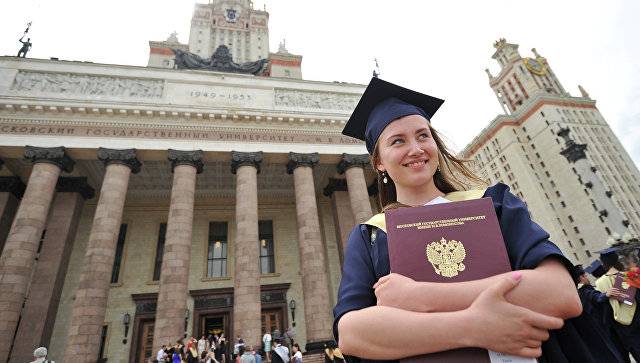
297,159
75,184
125,157
239,159
13,185
186,157
52,155
351,160
335,185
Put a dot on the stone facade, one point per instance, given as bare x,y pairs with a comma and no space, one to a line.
581,199
187,111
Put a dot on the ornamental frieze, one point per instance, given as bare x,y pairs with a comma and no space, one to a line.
315,100
254,136
79,84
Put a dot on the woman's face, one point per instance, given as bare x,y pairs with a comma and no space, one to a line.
408,152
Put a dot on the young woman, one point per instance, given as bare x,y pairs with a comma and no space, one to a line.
510,313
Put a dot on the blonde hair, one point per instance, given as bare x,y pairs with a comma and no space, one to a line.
452,174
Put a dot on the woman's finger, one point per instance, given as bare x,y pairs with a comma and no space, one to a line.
382,280
530,352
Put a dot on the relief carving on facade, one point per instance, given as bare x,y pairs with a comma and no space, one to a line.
80,84
315,100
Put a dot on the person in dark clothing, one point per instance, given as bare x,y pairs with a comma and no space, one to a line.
594,324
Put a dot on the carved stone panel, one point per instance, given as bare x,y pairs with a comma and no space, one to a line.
87,85
315,100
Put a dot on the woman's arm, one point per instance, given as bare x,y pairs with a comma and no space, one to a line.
547,289
490,322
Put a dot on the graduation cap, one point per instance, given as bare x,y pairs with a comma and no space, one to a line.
608,251
595,268
383,102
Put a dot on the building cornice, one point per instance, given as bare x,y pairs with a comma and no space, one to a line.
523,114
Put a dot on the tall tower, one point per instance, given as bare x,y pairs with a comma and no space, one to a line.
520,78
559,155
234,23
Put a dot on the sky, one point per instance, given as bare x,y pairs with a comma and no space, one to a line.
440,48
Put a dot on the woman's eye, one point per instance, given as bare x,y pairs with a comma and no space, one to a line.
423,135
396,141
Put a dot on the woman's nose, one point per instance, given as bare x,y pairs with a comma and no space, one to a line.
415,149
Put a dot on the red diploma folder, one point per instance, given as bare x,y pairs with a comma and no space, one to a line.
448,242
625,288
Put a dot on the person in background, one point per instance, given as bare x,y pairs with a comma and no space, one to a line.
202,345
593,326
626,322
40,355
332,353
258,355
248,356
280,352
297,354
266,342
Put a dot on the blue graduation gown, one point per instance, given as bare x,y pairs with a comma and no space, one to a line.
367,259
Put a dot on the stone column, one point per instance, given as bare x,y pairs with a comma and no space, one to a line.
246,281
174,275
353,167
317,308
11,191
343,220
90,304
20,248
39,313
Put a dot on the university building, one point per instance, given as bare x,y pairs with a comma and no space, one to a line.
559,155
215,193
138,204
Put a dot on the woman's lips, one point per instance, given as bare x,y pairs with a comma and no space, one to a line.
417,164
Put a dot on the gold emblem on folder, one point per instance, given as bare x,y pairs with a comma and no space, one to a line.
446,257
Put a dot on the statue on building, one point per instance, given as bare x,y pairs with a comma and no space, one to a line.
25,45
220,61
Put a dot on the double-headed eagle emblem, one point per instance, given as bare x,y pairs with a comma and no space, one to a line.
446,257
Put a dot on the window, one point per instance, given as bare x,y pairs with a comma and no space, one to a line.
217,250
564,232
570,218
575,229
157,267
563,204
103,341
117,262
582,242
267,258
606,229
587,253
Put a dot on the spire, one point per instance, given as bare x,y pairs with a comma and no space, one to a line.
488,73
173,37
535,52
282,48
583,92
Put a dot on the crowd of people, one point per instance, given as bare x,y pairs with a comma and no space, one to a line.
276,347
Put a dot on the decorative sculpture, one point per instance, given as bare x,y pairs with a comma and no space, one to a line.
220,61
25,45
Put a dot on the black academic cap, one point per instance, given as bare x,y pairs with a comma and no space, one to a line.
383,102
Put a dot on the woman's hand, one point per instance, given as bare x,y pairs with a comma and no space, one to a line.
498,325
398,291
614,292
